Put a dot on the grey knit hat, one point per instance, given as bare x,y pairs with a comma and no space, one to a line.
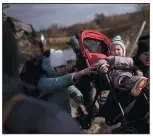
118,41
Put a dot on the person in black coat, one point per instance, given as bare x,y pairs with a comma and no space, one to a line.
142,58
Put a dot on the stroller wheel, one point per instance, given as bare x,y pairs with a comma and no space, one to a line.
125,130
140,127
130,130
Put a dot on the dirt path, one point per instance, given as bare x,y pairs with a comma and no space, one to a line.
98,125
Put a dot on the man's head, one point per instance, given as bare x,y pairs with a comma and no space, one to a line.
143,52
117,47
58,61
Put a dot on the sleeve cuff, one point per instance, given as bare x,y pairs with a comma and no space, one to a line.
74,80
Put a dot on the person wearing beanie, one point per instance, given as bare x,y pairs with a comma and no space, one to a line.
143,46
142,57
58,84
146,37
58,61
117,47
142,61
122,80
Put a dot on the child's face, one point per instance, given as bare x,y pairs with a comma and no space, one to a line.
61,69
116,50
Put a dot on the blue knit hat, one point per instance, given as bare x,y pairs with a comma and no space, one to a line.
118,41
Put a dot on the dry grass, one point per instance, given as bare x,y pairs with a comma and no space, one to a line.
59,45
58,40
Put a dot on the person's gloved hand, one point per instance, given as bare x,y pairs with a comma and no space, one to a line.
77,97
104,68
139,73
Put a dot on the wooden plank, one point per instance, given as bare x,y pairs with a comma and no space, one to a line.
137,38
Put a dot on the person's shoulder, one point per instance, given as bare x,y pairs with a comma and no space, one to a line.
136,60
45,61
123,57
134,57
47,67
129,58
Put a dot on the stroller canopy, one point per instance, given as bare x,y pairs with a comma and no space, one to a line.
94,46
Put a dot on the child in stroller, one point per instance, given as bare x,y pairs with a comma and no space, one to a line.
87,58
122,80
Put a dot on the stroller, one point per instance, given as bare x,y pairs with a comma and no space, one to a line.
91,46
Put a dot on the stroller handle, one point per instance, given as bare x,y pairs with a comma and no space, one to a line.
117,67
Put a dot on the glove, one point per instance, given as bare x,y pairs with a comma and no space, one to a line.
77,97
104,68
139,73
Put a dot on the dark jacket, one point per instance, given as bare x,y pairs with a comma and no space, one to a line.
141,66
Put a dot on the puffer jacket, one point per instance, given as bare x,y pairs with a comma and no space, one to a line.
56,87
117,60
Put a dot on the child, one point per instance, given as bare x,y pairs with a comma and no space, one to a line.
123,80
